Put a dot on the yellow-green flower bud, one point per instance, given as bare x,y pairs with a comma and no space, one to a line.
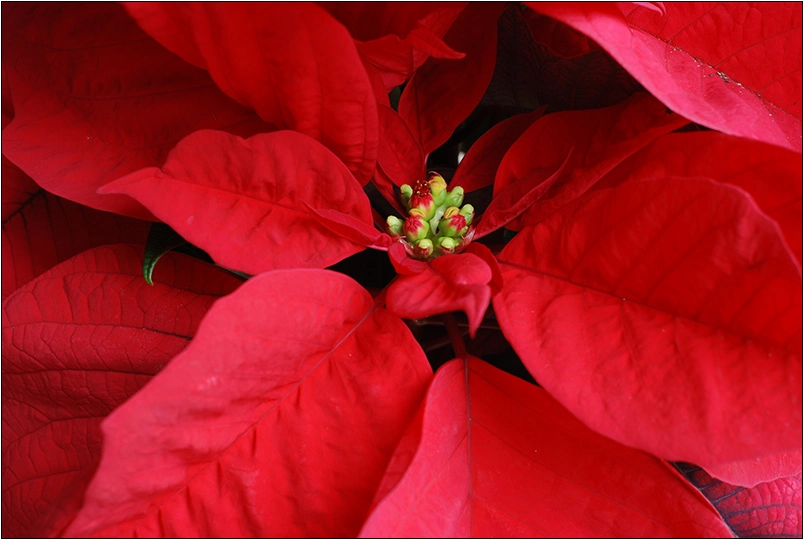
455,197
438,188
395,226
406,191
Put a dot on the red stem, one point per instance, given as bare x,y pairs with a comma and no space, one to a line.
458,346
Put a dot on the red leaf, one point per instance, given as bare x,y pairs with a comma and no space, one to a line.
97,99
399,155
278,419
77,342
479,166
396,38
293,63
769,510
673,300
755,471
771,175
41,230
448,283
351,228
443,93
491,455
517,198
243,201
403,263
734,67
485,253
595,141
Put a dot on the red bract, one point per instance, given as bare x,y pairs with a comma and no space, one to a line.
41,230
732,66
98,333
443,92
277,58
253,218
396,39
645,270
96,99
491,455
768,510
679,301
279,423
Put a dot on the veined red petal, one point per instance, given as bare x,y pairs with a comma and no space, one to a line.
491,455
277,420
665,314
78,341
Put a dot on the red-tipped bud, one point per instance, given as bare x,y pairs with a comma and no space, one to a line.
446,245
468,211
423,203
452,224
416,228
423,249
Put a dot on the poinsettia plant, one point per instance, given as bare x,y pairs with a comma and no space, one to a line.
402,269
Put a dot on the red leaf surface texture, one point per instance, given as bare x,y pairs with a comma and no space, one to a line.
731,66
767,510
95,99
78,341
41,230
278,58
449,283
396,38
246,202
591,143
771,175
278,420
673,299
443,93
479,166
491,455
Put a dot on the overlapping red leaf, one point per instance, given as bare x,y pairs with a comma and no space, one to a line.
590,143
479,166
41,230
247,202
771,175
767,510
78,341
396,38
750,472
277,420
491,455
95,99
442,93
460,282
731,66
672,299
293,63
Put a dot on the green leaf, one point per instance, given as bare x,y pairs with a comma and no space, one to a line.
161,239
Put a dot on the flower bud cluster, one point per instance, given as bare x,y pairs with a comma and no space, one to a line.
437,224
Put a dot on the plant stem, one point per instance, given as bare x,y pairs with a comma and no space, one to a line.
458,346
